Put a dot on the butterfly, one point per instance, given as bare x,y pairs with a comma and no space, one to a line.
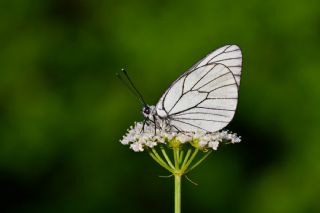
203,98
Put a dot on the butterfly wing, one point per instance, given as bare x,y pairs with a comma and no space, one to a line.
229,55
205,97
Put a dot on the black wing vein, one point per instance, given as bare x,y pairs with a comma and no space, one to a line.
199,119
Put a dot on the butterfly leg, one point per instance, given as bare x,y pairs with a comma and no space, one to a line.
178,130
155,125
143,125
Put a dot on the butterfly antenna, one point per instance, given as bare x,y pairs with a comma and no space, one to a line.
132,89
129,88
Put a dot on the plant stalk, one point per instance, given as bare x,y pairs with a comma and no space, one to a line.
178,167
177,193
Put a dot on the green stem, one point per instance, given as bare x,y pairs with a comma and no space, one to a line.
186,158
181,156
200,161
180,167
183,169
177,194
160,162
166,157
158,156
176,157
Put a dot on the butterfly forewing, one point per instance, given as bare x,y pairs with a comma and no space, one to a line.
229,55
205,97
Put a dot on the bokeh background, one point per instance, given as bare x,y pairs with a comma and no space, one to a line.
63,111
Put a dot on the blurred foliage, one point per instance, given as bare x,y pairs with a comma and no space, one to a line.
62,111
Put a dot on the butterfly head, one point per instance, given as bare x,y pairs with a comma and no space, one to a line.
148,112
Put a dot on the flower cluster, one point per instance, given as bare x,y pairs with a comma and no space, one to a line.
139,139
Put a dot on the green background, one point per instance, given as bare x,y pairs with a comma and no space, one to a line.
63,111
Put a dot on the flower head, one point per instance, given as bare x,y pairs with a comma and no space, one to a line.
139,138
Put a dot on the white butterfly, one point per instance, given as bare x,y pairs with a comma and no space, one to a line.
203,98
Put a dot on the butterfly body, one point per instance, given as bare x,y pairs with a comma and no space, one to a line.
150,114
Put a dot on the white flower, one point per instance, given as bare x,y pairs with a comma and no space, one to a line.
213,145
203,143
183,138
137,147
139,139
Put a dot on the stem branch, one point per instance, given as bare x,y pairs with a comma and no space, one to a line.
183,169
166,157
176,157
160,162
200,161
186,158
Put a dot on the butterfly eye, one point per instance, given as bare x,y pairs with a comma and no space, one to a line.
146,110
